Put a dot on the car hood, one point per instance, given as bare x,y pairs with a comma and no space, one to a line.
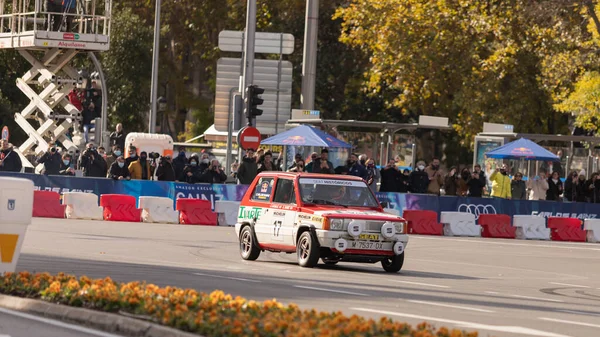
352,213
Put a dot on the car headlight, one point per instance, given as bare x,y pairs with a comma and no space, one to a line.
400,227
336,224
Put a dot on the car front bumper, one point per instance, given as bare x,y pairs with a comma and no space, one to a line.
329,239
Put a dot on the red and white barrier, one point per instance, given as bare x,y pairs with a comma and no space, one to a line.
196,212
158,210
496,226
46,204
531,227
459,224
423,222
227,212
592,227
80,205
120,207
566,229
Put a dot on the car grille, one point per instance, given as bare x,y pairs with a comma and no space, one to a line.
373,226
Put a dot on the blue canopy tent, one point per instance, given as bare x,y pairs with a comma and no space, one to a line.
522,149
305,135
305,138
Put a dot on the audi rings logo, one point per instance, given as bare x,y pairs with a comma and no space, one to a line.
477,209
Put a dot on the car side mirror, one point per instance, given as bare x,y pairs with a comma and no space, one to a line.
384,204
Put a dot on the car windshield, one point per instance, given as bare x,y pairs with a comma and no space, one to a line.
339,192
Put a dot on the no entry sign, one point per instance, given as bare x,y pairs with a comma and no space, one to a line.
249,138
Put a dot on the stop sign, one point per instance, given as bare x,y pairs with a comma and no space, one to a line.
249,138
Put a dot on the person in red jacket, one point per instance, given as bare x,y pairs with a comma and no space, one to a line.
75,99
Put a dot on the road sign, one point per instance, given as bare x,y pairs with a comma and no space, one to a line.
265,43
305,114
277,105
249,138
5,133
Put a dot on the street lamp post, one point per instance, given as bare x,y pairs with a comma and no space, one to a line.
154,85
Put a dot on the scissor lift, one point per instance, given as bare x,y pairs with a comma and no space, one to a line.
26,26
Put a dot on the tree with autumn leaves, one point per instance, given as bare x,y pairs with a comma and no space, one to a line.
531,63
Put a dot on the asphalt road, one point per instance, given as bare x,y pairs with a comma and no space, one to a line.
497,287
16,324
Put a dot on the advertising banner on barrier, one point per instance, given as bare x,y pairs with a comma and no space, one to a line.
476,206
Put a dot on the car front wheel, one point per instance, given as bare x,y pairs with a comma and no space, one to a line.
393,264
248,248
308,252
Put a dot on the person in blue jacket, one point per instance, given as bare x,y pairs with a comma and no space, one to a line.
355,168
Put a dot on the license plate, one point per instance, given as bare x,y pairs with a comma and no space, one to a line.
374,237
366,245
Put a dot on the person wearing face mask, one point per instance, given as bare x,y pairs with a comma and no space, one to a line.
555,187
204,162
436,179
355,168
418,180
362,159
51,160
65,166
116,153
92,164
179,162
191,172
140,169
118,170
132,156
538,186
501,183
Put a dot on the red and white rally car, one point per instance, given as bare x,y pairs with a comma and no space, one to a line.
331,217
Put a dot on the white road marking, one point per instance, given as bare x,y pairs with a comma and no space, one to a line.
537,298
568,285
450,306
421,284
569,322
57,324
492,292
468,325
332,290
508,243
228,278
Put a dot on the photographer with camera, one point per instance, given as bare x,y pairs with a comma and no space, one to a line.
140,169
214,174
92,164
51,160
165,171
191,172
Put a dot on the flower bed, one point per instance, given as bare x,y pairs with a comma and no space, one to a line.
215,314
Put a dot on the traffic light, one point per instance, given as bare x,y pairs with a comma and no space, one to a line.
253,101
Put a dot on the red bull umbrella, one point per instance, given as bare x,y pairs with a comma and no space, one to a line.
522,149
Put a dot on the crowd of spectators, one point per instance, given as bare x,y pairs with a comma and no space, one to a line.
424,179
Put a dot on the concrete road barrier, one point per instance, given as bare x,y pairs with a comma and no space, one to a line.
82,205
592,227
158,210
227,212
531,227
459,224
16,209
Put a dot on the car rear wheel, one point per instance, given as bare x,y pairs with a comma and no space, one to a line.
248,248
308,252
393,264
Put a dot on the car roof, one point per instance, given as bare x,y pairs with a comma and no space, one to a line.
309,175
